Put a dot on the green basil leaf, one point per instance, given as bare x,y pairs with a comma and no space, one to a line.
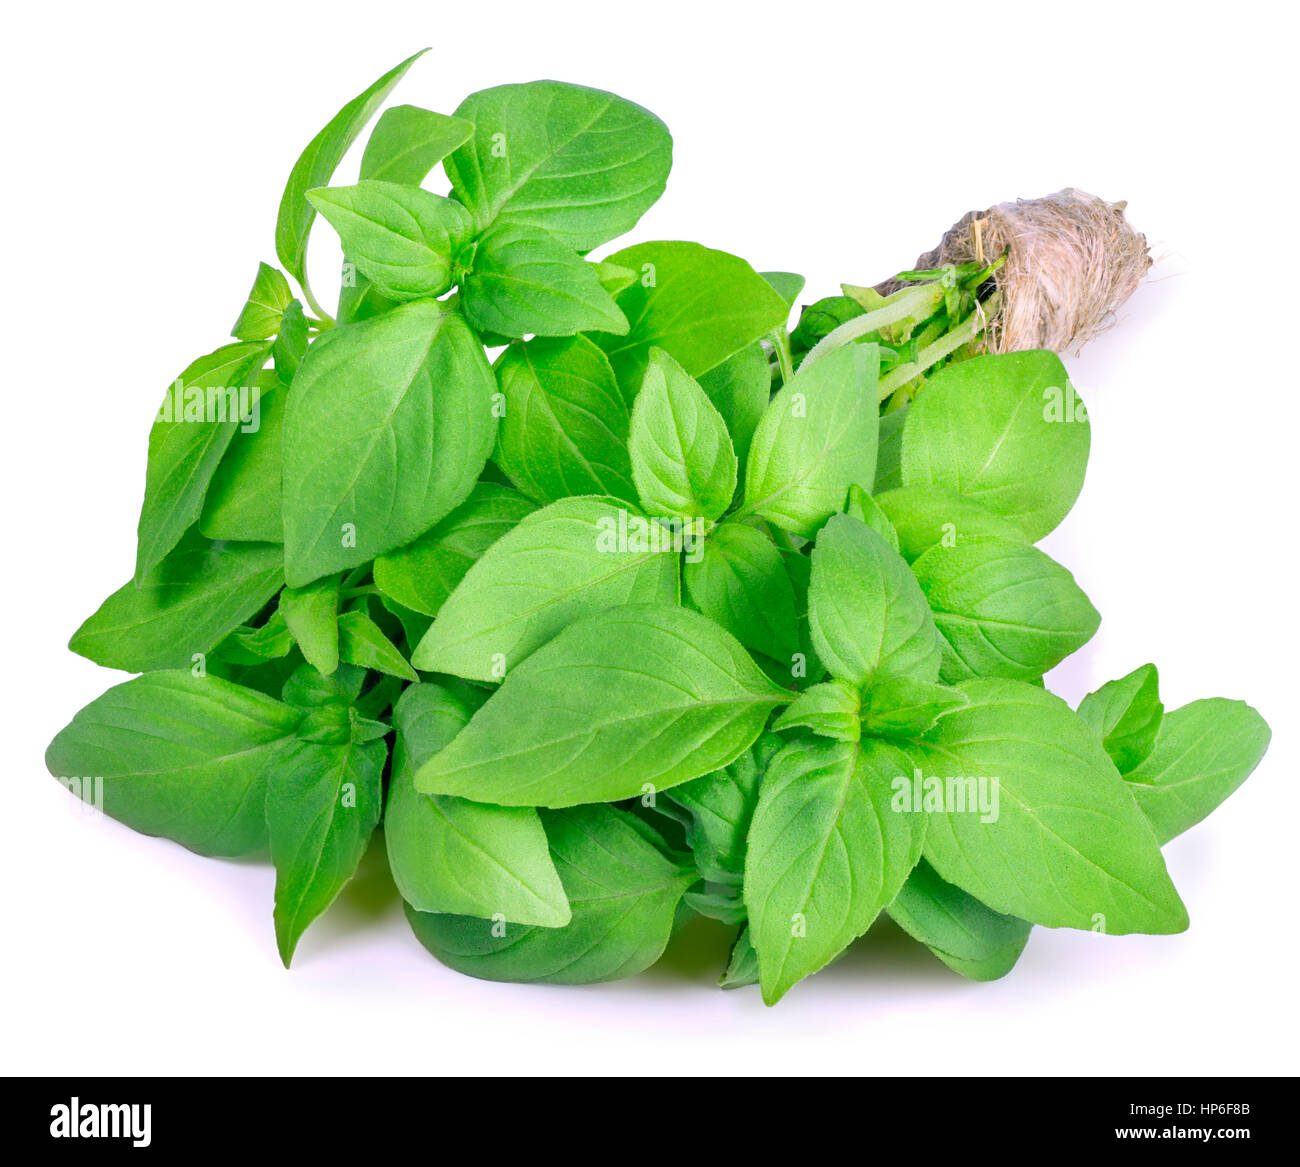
827,852
424,573
200,414
323,803
1203,752
816,439
742,967
403,239
740,389
291,345
636,698
177,755
317,163
831,709
312,614
185,606
1036,821
453,855
1003,609
243,498
934,516
368,404
786,284
359,299
889,450
699,305
861,505
868,617
309,689
968,937
718,808
267,300
363,643
614,278
1126,715
1006,430
682,460
739,581
566,424
574,557
580,164
904,707
623,892
247,645
524,282
408,142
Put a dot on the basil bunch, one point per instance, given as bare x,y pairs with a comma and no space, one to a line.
657,615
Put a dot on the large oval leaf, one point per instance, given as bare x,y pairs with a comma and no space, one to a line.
388,425
633,699
572,558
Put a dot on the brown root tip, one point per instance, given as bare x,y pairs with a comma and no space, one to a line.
1072,260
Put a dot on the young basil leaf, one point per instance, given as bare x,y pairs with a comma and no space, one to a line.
1036,821
363,643
566,424
199,416
403,239
247,645
786,284
452,855
1003,609
816,439
359,299
904,707
580,164
408,142
818,320
934,516
243,499
868,617
1203,752
968,937
1006,430
524,282
613,277
1126,715
740,389
742,968
827,852
184,607
267,300
424,573
323,803
291,345
368,404
682,460
718,809
574,557
740,582
316,165
312,615
889,450
861,505
309,689
181,756
636,698
623,892
831,709
699,305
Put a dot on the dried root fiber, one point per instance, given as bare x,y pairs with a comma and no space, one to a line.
1071,260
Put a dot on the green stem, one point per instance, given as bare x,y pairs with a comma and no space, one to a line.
912,304
784,358
945,346
327,321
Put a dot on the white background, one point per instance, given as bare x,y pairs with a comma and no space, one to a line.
146,148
